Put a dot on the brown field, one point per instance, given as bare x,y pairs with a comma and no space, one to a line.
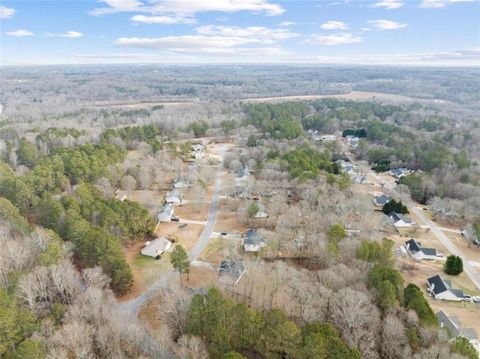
469,250
227,218
186,236
218,248
200,277
194,212
150,199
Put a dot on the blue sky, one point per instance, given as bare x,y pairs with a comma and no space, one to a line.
384,32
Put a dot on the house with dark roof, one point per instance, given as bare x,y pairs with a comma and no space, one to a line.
400,172
230,272
419,253
252,241
442,289
400,221
382,200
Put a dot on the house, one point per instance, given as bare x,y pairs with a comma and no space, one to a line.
442,289
452,325
382,200
400,221
252,241
315,135
400,172
418,252
230,272
243,174
352,140
156,247
174,197
181,182
261,214
360,180
197,147
166,214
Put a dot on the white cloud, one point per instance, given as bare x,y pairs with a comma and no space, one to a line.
162,19
389,4
334,25
287,23
440,3
70,34
197,6
6,12
365,29
188,8
255,32
20,33
334,39
116,6
386,24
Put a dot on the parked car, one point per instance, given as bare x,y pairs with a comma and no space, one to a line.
476,300
175,219
467,298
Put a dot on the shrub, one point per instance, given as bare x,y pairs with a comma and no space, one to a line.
453,265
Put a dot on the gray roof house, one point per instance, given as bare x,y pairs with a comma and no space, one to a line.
418,252
166,214
156,247
452,325
230,272
181,182
399,172
252,241
382,200
442,289
174,197
400,221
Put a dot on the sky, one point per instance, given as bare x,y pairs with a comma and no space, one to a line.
366,32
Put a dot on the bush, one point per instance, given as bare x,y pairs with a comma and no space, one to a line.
453,265
463,346
394,206
414,299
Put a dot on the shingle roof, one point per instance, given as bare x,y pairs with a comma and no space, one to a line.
429,251
438,284
413,245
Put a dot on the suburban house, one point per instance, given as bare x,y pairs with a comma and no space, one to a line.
419,253
197,147
174,197
252,241
442,289
315,135
166,214
400,221
243,174
230,272
347,167
156,247
382,200
261,214
181,182
360,180
452,325
352,140
400,172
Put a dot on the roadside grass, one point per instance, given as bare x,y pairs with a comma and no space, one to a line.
151,267
213,251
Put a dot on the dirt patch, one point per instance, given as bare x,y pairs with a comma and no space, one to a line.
200,277
193,211
218,249
228,218
186,236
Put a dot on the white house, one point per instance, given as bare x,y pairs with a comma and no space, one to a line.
174,197
400,221
156,247
419,253
352,140
252,241
166,214
442,289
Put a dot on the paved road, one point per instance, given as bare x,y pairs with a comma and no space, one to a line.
452,248
133,305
